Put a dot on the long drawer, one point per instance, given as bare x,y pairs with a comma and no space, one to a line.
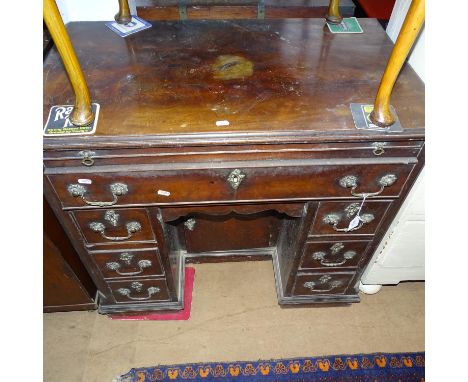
101,157
244,181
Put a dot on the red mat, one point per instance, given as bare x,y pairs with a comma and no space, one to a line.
183,314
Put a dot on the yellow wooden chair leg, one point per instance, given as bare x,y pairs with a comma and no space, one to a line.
382,115
124,16
333,14
82,113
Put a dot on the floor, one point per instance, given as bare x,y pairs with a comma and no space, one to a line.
235,316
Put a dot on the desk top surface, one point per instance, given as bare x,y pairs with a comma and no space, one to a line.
270,79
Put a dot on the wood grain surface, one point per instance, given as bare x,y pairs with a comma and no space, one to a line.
164,81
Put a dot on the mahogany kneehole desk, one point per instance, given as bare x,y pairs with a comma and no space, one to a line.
281,176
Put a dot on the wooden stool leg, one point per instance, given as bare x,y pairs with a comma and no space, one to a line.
82,113
333,14
382,115
124,16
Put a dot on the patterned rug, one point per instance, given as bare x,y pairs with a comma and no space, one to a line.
378,367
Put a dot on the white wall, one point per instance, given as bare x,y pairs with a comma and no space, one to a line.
417,57
90,10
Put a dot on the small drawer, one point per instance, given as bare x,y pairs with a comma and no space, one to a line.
114,227
135,291
334,218
337,254
127,263
322,283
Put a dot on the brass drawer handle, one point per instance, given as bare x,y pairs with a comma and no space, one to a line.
126,258
323,281
138,287
351,181
235,178
334,218
87,157
320,256
132,227
117,189
326,264
190,224
378,148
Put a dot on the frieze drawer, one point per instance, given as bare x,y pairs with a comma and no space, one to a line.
337,218
336,254
139,291
129,263
102,157
322,283
114,228
245,182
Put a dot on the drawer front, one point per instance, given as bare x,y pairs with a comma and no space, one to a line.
240,183
322,283
110,157
334,218
205,233
114,227
135,291
125,263
335,254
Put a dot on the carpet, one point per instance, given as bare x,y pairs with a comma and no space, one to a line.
378,367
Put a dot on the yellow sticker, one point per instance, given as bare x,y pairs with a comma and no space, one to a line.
368,108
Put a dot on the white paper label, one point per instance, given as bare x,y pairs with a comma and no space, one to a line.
357,219
354,223
164,193
85,181
222,123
